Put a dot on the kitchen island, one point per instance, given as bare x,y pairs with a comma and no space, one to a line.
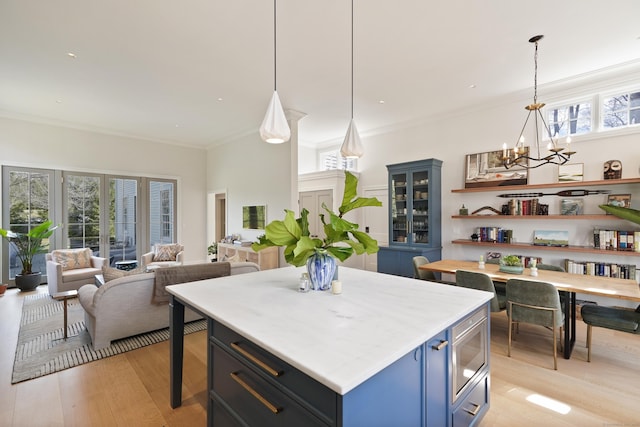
377,354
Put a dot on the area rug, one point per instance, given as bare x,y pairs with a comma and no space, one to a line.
41,349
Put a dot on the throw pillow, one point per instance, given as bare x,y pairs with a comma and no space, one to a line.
110,273
167,252
72,258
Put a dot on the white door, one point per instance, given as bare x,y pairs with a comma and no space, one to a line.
376,223
312,201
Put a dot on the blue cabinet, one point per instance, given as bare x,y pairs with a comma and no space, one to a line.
414,216
249,386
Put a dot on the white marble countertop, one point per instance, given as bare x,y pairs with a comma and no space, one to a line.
339,340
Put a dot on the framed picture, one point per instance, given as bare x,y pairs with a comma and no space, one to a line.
550,238
571,207
487,170
570,172
254,217
622,200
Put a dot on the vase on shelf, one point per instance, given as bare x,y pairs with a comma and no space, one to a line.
321,267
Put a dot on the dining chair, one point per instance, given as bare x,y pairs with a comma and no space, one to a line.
536,303
501,287
619,319
422,274
482,282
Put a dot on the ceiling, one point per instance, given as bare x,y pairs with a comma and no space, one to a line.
198,73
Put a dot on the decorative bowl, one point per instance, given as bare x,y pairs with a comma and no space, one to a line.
512,269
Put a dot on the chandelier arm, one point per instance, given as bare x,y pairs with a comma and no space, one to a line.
523,128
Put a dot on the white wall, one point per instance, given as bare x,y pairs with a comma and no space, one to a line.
251,172
45,146
451,138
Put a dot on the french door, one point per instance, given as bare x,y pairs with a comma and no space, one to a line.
102,214
118,217
27,201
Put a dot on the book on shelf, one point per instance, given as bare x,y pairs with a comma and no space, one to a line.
517,207
616,240
605,269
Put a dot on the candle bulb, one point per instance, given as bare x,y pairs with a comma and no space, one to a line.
504,150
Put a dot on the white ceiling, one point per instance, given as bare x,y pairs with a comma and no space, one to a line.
156,69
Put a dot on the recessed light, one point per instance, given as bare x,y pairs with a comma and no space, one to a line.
59,101
71,55
177,126
472,86
381,101
219,99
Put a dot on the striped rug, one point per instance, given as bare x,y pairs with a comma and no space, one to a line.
41,349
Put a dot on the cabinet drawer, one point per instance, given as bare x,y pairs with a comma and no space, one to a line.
308,389
471,409
259,402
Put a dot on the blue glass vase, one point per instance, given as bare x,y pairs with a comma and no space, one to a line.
321,267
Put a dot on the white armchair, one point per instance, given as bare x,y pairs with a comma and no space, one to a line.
69,269
164,255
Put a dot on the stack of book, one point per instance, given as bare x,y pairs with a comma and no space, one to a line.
494,234
524,207
616,240
606,269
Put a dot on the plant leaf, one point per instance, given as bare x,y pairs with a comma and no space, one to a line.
629,214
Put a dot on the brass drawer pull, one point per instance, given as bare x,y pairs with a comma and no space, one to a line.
440,346
474,411
245,353
255,394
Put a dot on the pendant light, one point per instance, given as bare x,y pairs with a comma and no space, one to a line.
274,128
352,147
520,155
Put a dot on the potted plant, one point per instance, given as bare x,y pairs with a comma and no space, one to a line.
342,238
27,246
511,264
213,251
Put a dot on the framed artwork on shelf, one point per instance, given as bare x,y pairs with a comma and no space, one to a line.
571,207
622,200
550,238
487,170
571,172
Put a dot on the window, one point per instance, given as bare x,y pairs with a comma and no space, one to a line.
333,160
166,209
570,119
621,110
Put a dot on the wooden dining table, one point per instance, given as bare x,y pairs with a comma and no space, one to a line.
571,284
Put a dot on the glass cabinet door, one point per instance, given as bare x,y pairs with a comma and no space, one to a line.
399,206
420,208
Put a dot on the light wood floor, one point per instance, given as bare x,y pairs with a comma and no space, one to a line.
133,388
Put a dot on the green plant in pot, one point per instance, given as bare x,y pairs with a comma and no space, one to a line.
342,238
511,264
212,249
27,246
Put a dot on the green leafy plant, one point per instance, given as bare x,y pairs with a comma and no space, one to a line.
512,260
212,249
629,214
30,244
342,240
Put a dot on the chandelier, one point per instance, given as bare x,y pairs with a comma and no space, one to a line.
520,155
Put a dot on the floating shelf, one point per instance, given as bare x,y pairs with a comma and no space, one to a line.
529,246
541,217
521,188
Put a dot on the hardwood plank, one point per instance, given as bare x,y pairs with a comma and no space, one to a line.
133,388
